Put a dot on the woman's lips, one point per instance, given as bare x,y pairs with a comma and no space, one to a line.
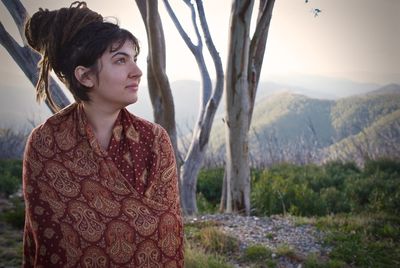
133,87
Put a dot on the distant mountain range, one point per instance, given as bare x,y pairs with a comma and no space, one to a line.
291,127
18,106
300,119
187,94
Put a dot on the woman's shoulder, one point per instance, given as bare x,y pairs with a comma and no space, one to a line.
142,124
61,115
49,124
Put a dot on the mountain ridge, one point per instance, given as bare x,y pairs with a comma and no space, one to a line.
297,128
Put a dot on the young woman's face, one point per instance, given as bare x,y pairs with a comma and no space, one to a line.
118,78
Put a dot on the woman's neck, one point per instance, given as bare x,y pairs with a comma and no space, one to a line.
102,121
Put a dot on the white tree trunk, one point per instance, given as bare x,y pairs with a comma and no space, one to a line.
237,110
243,74
159,87
209,101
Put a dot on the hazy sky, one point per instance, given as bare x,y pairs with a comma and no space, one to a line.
352,39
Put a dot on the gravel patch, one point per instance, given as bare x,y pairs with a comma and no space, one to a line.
273,232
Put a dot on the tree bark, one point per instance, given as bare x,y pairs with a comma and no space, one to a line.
257,49
237,109
209,100
245,59
159,87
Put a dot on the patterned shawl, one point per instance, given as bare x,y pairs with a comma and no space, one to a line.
86,207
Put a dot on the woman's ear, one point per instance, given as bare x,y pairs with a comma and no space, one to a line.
82,74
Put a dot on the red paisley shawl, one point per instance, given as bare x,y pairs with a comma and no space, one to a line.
86,207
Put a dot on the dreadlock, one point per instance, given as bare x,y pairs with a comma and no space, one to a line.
67,38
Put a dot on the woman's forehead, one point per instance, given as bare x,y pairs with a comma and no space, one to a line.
126,45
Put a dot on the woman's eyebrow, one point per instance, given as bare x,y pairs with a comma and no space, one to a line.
121,53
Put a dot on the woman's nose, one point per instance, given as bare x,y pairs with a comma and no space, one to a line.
135,71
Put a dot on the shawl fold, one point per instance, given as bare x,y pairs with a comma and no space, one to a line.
87,207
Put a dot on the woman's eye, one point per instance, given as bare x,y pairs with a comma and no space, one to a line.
120,61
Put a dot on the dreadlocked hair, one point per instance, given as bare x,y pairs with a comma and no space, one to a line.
67,38
47,31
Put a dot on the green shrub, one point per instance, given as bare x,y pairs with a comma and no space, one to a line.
388,166
363,240
8,184
216,241
256,253
335,200
314,261
376,189
15,216
10,247
209,184
204,206
286,188
335,173
285,250
13,166
197,258
10,177
332,188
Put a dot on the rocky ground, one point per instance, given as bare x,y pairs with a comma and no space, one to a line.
273,232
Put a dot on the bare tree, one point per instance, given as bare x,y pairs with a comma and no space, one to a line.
158,83
209,101
25,57
245,57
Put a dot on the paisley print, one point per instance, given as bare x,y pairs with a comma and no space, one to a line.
128,159
65,137
54,258
169,173
132,134
142,219
171,264
112,180
148,255
94,257
169,234
49,195
35,165
82,162
70,243
48,233
117,132
44,143
87,222
100,199
143,177
61,180
87,207
120,242
38,210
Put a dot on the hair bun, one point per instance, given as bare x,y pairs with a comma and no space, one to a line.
50,33
51,29
37,29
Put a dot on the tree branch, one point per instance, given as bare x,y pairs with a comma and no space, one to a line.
180,29
257,49
25,57
19,15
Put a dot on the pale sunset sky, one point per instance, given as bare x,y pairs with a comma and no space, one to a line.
357,40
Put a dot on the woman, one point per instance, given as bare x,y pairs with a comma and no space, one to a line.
100,184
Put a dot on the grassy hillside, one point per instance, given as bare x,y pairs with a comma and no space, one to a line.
295,128
381,139
353,114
